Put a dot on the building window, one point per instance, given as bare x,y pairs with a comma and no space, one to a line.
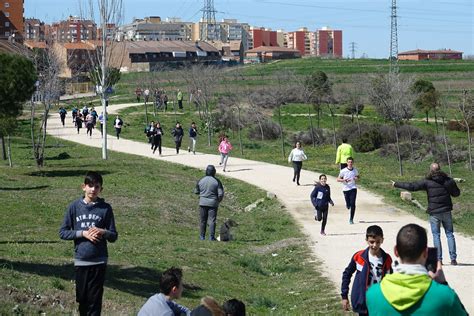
7,24
7,14
7,5
7,34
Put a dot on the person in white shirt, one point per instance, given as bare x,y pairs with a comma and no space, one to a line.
297,156
348,176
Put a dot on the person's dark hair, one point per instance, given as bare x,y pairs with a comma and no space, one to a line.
234,307
350,158
344,139
374,231
210,170
322,175
193,123
92,178
411,242
169,279
297,142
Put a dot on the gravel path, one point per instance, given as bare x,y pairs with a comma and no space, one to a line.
342,239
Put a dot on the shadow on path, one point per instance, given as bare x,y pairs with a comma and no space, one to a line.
39,187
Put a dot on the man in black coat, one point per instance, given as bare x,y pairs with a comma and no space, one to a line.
439,188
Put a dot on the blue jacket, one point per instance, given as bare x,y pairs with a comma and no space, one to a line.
325,196
360,263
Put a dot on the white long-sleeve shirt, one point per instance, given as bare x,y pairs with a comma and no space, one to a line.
297,154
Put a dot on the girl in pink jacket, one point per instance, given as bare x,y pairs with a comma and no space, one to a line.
224,148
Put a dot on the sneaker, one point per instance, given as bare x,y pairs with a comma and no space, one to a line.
315,218
194,152
323,233
351,221
202,238
294,179
189,150
454,262
212,239
297,183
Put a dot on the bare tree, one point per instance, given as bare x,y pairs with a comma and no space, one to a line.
393,99
108,53
443,106
466,110
351,96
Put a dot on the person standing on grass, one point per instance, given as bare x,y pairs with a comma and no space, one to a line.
296,157
178,134
321,198
192,138
439,188
348,176
343,152
118,123
101,122
211,193
156,138
138,93
89,221
224,149
179,97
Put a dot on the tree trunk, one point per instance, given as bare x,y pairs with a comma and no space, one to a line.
318,110
281,133
208,119
240,135
311,126
412,150
9,152
333,126
4,151
398,150
260,126
427,121
446,146
32,127
146,114
436,121
358,124
469,145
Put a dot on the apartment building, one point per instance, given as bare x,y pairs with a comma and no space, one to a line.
225,31
73,30
421,54
11,19
300,40
153,28
34,30
261,36
328,43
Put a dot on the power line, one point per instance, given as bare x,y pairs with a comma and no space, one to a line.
393,39
353,48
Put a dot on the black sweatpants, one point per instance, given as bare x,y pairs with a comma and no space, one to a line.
297,165
90,288
156,143
322,214
350,197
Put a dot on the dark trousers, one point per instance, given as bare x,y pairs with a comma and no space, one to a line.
208,213
180,104
322,214
63,118
297,165
350,197
90,288
101,129
156,143
89,128
178,145
117,132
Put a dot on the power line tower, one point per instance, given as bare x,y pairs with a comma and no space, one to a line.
394,39
209,27
353,48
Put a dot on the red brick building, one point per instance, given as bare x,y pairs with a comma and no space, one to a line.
420,54
299,40
34,30
11,19
263,37
74,30
329,43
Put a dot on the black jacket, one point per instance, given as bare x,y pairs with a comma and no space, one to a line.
439,188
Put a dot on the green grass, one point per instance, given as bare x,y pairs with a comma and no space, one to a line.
157,220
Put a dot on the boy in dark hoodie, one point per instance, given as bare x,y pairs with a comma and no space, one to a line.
439,188
89,221
370,265
321,198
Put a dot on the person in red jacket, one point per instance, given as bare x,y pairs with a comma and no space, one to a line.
370,265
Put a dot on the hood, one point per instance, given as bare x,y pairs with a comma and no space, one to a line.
403,291
438,176
210,171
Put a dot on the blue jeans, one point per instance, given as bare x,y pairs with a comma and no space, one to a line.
435,221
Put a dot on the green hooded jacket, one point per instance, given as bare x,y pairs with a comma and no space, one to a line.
344,151
406,294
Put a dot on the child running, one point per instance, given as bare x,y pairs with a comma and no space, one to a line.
224,149
370,265
321,198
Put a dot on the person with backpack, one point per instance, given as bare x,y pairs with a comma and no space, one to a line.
62,115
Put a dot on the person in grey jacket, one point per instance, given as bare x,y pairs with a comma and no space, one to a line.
211,193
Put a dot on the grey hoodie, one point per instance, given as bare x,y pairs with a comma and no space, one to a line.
210,189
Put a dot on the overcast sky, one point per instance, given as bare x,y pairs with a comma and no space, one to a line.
424,24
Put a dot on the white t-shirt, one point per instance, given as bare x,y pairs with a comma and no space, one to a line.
375,272
347,174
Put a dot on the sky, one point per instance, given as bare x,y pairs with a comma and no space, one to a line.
422,24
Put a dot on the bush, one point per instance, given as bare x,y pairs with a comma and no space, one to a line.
368,141
391,150
454,125
271,130
305,137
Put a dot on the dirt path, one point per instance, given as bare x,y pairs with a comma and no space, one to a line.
342,239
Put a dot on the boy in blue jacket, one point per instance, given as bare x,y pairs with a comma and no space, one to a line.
370,265
89,221
321,198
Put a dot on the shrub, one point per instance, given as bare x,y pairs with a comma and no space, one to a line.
305,137
368,141
454,125
271,130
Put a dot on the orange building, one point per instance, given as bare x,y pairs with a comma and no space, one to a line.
11,19
263,37
300,40
329,43
420,54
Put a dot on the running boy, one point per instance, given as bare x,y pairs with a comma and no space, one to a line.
89,221
321,198
371,265
348,176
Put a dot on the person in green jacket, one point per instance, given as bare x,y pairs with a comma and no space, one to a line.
344,151
411,289
179,97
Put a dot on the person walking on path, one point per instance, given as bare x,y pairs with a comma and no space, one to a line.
89,124
439,188
78,122
370,266
192,138
211,193
224,149
178,134
89,221
62,115
156,138
412,289
74,113
296,157
101,122
343,152
118,126
321,198
179,97
348,176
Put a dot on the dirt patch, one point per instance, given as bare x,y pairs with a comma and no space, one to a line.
261,250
